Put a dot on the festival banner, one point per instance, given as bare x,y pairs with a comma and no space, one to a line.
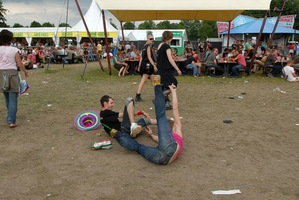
285,21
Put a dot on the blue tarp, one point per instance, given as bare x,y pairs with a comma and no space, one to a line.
255,26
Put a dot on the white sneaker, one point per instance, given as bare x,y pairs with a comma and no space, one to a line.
135,130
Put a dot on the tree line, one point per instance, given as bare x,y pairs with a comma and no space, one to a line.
196,29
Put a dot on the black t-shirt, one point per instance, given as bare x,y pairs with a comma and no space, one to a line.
188,61
163,62
110,118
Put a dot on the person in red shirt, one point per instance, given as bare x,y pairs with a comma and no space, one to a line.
291,48
241,63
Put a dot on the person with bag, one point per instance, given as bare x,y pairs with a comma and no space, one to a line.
166,66
147,65
10,59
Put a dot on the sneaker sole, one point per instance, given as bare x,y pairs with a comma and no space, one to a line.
136,131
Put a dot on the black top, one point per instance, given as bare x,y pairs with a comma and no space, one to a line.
165,69
110,119
144,53
163,62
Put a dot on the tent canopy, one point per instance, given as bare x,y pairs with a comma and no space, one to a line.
255,26
214,10
93,19
141,35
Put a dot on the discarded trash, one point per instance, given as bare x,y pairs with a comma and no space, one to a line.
283,92
276,89
227,121
105,144
45,82
297,109
226,192
134,83
240,97
49,105
231,97
297,124
151,108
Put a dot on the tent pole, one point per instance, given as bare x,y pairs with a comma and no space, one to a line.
228,35
122,33
106,42
91,41
258,41
276,23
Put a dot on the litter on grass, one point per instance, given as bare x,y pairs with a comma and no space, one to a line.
226,192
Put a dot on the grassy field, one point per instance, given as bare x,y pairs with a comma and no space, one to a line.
45,157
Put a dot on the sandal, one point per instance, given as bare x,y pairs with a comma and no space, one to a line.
13,126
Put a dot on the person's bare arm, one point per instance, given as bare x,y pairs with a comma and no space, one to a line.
172,62
177,126
150,133
120,115
21,65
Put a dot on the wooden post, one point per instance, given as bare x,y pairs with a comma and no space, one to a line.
88,33
258,41
228,35
106,42
276,23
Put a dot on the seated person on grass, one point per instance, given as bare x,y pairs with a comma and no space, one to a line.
120,65
27,62
289,71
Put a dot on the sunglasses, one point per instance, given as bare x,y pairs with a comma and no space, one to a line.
151,39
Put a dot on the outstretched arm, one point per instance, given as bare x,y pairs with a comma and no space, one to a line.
177,126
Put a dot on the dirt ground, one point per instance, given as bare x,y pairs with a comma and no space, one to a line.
45,157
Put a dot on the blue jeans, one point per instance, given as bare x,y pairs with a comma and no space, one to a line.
166,147
236,68
125,125
194,68
11,101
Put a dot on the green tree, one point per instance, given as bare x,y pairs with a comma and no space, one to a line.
192,28
64,25
207,29
48,24
2,13
35,24
129,26
147,25
164,25
17,25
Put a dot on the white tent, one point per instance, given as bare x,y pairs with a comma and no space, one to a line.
94,22
93,19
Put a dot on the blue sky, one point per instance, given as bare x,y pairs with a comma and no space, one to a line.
54,11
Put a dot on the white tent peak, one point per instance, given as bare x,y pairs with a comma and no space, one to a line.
94,21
